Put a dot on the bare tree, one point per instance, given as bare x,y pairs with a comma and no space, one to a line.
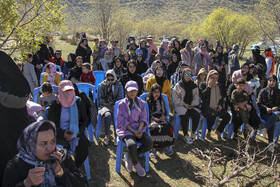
267,13
244,158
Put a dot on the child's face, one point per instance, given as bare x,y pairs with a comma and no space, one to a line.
47,70
240,87
132,94
47,94
84,70
156,94
79,63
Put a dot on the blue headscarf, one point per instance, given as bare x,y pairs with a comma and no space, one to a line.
27,150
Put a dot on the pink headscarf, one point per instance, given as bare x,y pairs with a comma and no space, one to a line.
66,94
206,57
52,73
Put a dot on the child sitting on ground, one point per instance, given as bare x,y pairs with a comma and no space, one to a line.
46,98
87,75
161,131
240,100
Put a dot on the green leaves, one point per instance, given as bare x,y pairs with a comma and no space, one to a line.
24,22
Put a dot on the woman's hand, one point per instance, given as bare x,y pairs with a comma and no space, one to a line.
274,109
138,134
219,108
56,167
162,118
35,177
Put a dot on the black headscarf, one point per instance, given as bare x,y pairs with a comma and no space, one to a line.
188,87
12,79
160,80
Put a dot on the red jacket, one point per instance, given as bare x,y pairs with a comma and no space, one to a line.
88,78
61,61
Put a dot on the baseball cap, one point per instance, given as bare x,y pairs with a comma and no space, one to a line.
131,85
66,85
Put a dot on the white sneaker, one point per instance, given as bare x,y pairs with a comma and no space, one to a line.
188,139
263,132
193,137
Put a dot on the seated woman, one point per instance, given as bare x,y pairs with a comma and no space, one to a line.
76,72
132,126
40,162
110,91
212,103
163,82
132,75
161,131
201,76
269,102
186,101
51,75
118,68
70,117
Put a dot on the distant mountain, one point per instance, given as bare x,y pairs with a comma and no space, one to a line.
186,11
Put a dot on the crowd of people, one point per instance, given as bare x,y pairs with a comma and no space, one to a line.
198,81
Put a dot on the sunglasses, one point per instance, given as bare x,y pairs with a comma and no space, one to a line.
188,75
111,80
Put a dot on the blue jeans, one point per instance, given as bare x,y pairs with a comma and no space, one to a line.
271,119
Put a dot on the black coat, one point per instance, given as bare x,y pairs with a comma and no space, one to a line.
75,73
264,101
85,53
17,171
54,114
171,68
135,77
205,94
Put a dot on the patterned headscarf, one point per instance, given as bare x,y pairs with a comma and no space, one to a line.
52,73
27,150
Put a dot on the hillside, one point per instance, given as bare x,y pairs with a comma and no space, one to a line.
186,11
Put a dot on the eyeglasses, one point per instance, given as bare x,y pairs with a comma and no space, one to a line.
111,80
132,66
188,75
159,71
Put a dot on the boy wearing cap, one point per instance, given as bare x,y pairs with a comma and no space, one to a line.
132,126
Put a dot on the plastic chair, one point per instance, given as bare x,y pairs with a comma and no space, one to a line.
86,88
37,90
121,145
143,74
194,78
86,162
145,95
99,77
100,118
57,67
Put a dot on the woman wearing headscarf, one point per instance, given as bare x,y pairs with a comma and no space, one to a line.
176,49
132,75
76,72
118,68
39,162
70,117
143,49
84,50
187,55
201,76
202,59
71,62
163,82
268,103
141,65
172,66
165,52
110,91
152,69
51,76
14,92
212,103
186,101
219,64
